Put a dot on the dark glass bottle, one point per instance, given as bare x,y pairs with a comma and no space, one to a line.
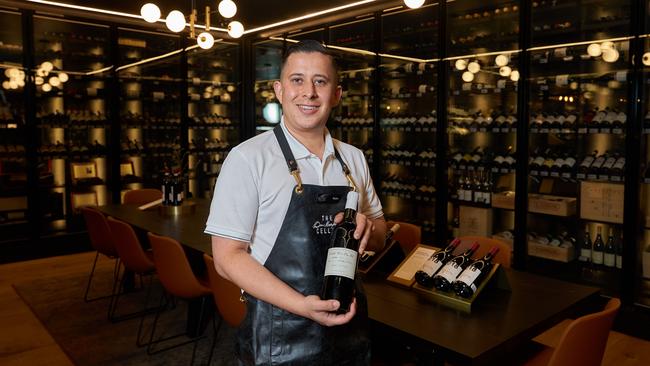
599,247
447,274
341,264
424,276
469,280
585,248
609,259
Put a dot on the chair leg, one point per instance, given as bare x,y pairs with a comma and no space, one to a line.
119,291
216,329
92,274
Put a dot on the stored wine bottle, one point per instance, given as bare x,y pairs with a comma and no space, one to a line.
619,252
465,285
341,264
610,251
586,163
585,248
424,276
599,247
443,279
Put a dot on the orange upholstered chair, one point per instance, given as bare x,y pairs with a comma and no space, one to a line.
141,196
178,280
583,341
227,298
135,260
408,235
102,240
504,257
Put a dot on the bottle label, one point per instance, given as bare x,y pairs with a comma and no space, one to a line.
430,267
341,262
610,260
469,275
620,163
585,253
597,257
450,272
619,261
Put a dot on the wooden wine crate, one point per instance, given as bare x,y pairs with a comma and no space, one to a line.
550,252
552,205
504,200
496,277
475,221
602,201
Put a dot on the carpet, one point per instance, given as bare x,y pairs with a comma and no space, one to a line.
88,338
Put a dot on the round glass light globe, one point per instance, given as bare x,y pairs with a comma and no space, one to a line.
473,67
414,4
646,59
461,64
54,81
205,40
235,29
607,45
610,55
594,50
514,75
175,21
227,8
5,85
39,80
468,76
63,77
47,66
46,87
271,112
505,71
150,12
501,60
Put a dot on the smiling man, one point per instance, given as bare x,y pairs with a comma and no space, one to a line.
271,217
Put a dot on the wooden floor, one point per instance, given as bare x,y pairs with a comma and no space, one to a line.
24,341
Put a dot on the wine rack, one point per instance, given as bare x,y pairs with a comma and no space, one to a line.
213,113
150,108
13,159
72,119
268,60
642,248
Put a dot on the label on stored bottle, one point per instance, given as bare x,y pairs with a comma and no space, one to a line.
585,253
430,267
561,80
450,272
619,261
570,162
620,163
341,262
597,257
621,76
610,260
469,275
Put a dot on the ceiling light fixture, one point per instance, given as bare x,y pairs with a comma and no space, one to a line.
413,4
150,12
227,8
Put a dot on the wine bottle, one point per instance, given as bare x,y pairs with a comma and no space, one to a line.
599,247
619,252
585,248
341,263
586,163
166,189
610,251
443,279
467,282
424,276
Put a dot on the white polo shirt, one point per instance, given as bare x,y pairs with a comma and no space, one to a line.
254,187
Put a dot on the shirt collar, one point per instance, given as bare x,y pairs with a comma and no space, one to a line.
300,151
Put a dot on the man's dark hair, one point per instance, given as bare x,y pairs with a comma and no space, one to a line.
309,46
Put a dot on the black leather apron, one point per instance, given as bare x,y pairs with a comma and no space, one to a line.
272,336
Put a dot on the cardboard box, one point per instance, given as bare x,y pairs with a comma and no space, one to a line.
550,252
475,221
552,205
602,201
504,200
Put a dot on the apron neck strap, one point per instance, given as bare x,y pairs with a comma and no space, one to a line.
293,165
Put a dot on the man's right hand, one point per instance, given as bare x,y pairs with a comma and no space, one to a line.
323,311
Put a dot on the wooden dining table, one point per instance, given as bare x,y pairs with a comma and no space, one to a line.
499,323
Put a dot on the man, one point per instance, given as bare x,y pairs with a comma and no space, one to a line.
271,219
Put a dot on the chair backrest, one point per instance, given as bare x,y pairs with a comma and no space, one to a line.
142,196
173,268
503,257
128,247
408,235
99,231
226,295
583,341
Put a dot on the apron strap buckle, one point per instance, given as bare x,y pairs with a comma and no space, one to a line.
296,176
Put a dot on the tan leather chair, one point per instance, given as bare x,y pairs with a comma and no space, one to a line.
141,196
178,280
227,298
503,257
101,239
408,235
583,341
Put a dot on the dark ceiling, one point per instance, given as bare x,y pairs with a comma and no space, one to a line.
252,13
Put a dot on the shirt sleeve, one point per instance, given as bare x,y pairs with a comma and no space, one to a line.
370,205
235,203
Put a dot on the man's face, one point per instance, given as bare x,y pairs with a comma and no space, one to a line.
307,90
